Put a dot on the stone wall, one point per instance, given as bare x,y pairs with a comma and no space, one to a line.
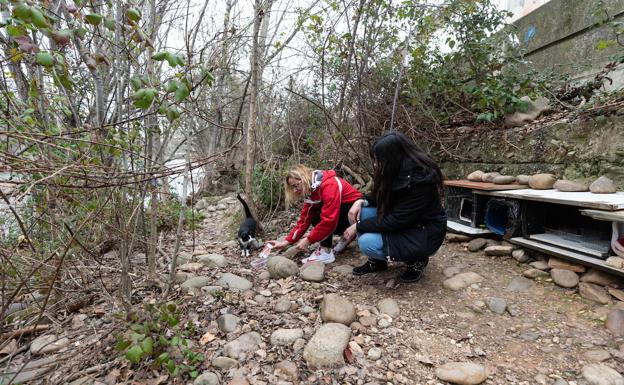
580,149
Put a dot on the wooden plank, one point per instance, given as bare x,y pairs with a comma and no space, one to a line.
612,216
609,202
464,229
583,259
484,186
586,248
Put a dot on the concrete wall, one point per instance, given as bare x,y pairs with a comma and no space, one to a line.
563,36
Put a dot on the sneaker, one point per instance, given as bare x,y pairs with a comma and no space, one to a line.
371,266
320,255
341,245
413,273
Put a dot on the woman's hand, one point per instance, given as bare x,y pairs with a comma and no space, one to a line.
350,232
303,244
279,244
354,211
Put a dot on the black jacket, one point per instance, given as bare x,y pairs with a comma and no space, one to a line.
414,226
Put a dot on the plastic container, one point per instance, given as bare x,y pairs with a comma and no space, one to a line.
262,259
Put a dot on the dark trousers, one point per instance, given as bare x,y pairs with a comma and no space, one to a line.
343,223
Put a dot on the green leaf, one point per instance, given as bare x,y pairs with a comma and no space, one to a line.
80,32
135,82
194,374
22,11
182,92
172,86
37,18
94,18
173,113
133,14
602,44
147,345
44,59
171,366
134,354
144,97
109,24
122,344
161,55
162,358
15,31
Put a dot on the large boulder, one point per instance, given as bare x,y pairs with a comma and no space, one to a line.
569,186
462,373
533,110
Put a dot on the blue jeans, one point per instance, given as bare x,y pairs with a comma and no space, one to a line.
371,244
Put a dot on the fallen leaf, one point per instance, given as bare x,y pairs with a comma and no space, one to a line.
11,347
348,355
206,338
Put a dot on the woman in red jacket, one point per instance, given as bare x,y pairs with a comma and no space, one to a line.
327,200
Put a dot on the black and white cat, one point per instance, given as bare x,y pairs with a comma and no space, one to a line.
247,231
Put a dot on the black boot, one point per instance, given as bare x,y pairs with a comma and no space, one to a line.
371,266
413,272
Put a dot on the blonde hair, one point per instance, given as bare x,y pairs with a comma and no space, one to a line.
303,174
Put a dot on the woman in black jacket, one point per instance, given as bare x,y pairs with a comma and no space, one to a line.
403,219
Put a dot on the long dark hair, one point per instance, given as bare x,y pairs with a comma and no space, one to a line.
389,152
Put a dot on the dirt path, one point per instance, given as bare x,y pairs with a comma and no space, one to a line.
544,334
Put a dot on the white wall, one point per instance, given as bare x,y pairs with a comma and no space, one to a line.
520,7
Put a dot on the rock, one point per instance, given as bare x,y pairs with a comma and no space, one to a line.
326,347
462,280
522,179
619,294
291,252
34,369
476,176
343,269
541,265
496,305
569,186
463,373
374,354
594,292
490,176
285,337
560,381
224,363
603,185
212,260
519,284
388,306
282,305
615,322
235,282
14,308
542,181
48,344
228,323
556,263
243,345
451,271
529,336
314,271
281,267
221,207
520,255
385,321
264,276
207,378
504,179
535,273
196,282
601,278
335,308
533,111
476,244
599,374
299,345
564,278
597,355
616,262
452,237
498,251
212,290
260,299
238,381
287,369
356,349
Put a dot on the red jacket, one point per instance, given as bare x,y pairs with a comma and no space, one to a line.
326,197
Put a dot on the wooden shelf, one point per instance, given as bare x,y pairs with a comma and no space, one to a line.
609,202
